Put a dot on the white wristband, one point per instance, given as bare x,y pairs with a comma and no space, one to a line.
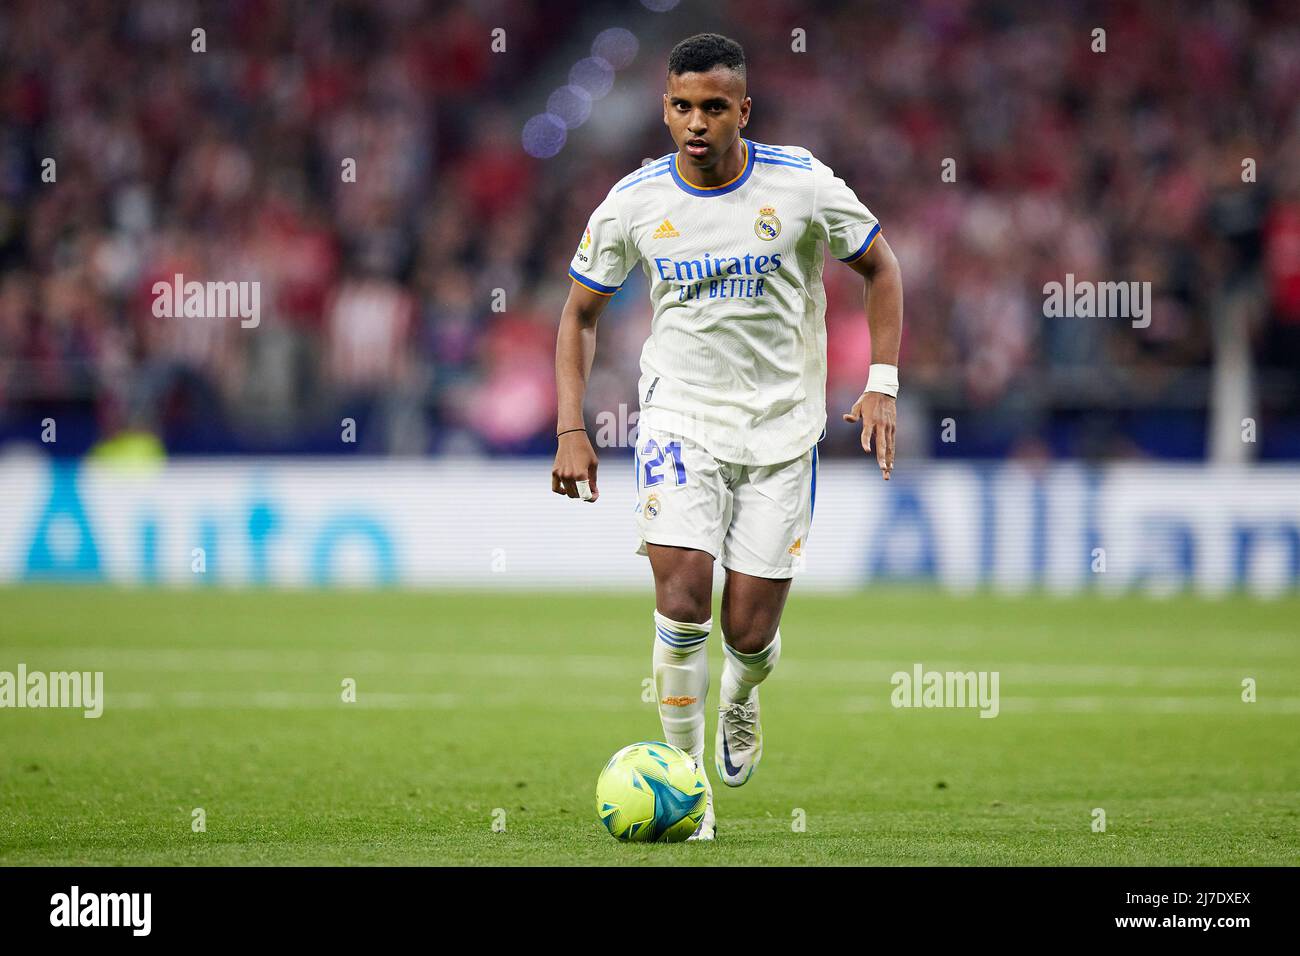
883,379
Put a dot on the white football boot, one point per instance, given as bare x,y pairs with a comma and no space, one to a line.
739,744
707,828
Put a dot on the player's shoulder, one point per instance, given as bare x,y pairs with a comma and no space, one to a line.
795,158
638,180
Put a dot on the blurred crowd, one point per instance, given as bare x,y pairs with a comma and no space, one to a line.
421,299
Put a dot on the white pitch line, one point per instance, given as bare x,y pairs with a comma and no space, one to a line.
366,700
1092,705
863,672
386,700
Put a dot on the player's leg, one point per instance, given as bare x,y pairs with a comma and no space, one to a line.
683,619
772,515
684,504
751,619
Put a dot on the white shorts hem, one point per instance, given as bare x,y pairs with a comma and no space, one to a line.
778,573
674,541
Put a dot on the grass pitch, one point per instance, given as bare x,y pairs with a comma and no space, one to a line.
473,704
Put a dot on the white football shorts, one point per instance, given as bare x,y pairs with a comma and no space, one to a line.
755,519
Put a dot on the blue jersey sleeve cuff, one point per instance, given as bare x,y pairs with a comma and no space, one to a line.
866,244
591,284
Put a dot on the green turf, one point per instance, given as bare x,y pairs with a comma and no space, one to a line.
230,701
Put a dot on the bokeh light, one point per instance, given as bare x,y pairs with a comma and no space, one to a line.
572,104
544,135
616,46
594,75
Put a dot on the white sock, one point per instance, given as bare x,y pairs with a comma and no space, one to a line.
741,673
681,669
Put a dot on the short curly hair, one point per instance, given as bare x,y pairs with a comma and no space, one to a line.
704,51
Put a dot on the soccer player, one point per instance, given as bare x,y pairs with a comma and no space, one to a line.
731,234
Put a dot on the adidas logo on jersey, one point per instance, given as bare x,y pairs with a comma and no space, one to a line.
666,231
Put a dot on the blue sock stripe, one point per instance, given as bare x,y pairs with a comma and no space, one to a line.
758,657
680,641
681,635
681,647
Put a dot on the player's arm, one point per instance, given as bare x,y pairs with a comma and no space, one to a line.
884,304
575,349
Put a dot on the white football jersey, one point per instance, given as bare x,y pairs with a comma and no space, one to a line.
736,357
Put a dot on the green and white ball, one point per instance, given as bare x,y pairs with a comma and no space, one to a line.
651,792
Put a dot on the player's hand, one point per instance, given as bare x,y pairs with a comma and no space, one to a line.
575,461
877,412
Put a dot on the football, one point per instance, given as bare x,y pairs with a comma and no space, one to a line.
651,792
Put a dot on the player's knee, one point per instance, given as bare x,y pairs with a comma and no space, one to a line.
685,597
683,608
748,637
679,601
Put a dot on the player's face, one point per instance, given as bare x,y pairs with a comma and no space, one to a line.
706,112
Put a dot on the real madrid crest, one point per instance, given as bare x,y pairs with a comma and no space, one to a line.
767,226
652,506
